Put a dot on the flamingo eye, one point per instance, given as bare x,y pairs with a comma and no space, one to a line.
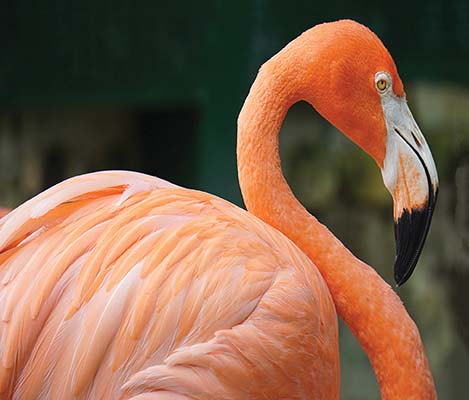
382,82
381,85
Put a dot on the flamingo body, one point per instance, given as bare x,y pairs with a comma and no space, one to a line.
119,285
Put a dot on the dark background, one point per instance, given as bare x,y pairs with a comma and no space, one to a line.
156,87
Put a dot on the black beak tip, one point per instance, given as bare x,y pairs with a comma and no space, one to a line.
410,233
403,272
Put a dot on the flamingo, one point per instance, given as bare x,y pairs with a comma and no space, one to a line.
118,285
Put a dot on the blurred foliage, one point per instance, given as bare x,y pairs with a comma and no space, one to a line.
156,87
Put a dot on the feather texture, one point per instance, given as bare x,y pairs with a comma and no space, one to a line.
130,287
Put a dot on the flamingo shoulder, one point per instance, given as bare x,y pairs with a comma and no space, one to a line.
112,279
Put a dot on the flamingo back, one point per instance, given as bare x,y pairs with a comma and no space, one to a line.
119,285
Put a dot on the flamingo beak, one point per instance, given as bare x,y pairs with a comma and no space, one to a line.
410,175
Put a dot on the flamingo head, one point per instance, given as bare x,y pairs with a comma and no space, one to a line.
346,73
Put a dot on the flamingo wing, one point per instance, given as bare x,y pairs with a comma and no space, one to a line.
121,285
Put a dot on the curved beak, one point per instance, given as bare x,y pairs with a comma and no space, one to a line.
410,175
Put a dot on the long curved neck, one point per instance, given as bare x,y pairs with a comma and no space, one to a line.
369,307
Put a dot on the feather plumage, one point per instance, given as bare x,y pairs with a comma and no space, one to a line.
131,285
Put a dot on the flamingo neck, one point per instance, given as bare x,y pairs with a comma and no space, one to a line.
367,304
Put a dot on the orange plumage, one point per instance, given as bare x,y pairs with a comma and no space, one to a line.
117,285
145,287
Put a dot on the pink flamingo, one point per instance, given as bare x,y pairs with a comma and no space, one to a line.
117,285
